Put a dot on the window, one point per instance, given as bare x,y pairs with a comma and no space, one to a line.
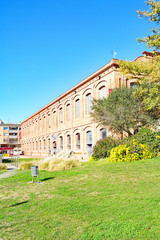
102,92
68,142
49,144
33,146
5,140
49,120
133,84
37,145
103,133
61,115
40,124
68,112
88,103
37,126
44,142
5,134
78,144
19,128
44,122
55,118
61,142
40,144
5,128
77,108
89,137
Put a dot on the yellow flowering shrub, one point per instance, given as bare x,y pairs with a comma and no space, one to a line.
134,152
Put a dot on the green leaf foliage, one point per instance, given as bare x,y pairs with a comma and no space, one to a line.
121,112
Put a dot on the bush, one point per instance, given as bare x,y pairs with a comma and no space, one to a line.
3,166
26,165
149,137
103,147
134,152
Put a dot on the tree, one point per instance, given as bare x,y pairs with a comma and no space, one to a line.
121,112
147,73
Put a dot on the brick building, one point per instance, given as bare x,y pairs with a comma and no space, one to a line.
65,123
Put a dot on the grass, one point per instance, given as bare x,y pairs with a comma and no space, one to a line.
98,200
2,171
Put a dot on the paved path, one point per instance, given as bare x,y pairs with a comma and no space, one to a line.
11,170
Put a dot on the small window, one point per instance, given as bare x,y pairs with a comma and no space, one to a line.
78,143
68,142
44,122
61,115
88,103
102,92
44,144
68,112
61,142
19,128
55,118
103,133
89,137
133,84
77,108
5,128
49,120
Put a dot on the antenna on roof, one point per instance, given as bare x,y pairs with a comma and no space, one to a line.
114,54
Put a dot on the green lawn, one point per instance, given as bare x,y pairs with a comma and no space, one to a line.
98,200
2,171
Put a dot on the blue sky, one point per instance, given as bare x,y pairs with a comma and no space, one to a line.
48,46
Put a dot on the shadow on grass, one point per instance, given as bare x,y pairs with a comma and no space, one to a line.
17,204
45,179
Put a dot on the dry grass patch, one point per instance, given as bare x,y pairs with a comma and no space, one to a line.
3,166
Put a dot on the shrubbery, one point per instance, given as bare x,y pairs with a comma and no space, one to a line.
51,164
26,165
144,144
103,147
3,166
124,153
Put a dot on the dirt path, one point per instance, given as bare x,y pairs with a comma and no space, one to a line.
11,170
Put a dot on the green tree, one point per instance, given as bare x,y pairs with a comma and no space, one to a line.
121,112
147,73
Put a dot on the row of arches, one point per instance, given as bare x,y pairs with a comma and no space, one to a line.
71,110
77,141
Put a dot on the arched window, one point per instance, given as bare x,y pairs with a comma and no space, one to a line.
61,115
40,144
103,133
44,119
37,146
61,142
89,137
102,92
77,108
88,98
44,142
55,118
49,120
69,142
78,142
68,112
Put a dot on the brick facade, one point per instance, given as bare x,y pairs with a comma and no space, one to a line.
65,123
